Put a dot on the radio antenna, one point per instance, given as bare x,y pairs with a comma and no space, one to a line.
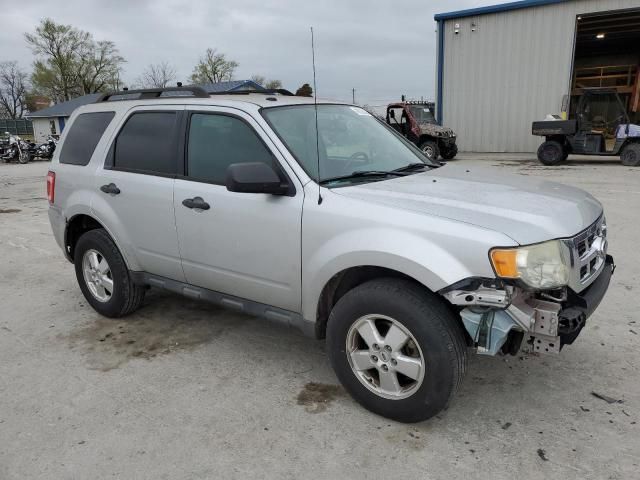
315,107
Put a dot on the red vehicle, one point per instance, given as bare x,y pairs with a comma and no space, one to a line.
416,122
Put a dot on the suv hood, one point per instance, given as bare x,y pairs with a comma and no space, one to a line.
527,210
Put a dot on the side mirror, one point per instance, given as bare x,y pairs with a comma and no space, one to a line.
255,177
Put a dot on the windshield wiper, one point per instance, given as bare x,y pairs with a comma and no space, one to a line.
364,173
412,166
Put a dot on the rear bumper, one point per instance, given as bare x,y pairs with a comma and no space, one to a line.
58,226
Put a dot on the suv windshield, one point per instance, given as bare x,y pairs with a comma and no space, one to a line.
422,114
350,141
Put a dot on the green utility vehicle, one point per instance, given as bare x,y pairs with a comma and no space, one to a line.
601,127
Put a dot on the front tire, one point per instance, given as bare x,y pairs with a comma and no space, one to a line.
630,156
24,157
449,153
103,275
551,153
397,349
430,149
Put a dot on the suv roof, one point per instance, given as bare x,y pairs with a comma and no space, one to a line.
195,95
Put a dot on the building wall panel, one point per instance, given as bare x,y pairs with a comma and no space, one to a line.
515,68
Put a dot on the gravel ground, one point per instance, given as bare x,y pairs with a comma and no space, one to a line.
187,390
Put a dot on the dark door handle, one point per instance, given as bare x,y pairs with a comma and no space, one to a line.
196,202
111,188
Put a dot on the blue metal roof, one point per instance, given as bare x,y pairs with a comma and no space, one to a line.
503,7
65,109
230,86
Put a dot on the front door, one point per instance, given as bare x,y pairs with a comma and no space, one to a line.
134,190
243,244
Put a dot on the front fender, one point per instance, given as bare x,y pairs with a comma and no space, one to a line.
405,252
344,232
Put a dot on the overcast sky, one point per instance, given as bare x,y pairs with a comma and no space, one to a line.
380,48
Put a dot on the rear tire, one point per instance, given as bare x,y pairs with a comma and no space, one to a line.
106,285
630,156
430,149
450,153
433,335
551,153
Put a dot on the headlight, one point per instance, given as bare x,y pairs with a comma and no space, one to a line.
540,266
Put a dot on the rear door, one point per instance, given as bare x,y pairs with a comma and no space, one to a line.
135,189
244,244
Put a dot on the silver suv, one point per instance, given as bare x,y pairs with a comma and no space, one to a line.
323,218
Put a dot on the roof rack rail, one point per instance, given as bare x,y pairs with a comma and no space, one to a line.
281,91
149,93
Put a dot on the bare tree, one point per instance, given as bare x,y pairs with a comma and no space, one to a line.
213,67
13,90
259,79
157,75
98,65
269,84
273,84
305,91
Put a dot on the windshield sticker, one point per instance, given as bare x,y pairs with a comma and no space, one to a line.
360,111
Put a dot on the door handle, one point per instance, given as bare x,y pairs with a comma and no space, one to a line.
111,188
196,202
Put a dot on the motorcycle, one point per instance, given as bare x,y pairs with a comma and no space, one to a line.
17,149
44,150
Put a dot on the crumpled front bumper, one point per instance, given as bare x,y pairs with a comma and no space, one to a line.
547,325
588,300
579,306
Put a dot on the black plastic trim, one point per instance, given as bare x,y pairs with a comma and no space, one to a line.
589,299
275,314
153,93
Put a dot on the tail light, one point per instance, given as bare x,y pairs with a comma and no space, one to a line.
51,186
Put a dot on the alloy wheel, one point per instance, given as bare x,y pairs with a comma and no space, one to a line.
385,356
428,151
97,275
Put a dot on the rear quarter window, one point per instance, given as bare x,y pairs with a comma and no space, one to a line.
83,136
147,144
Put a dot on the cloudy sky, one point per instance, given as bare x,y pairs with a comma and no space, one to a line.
380,48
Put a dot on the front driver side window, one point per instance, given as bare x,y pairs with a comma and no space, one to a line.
216,141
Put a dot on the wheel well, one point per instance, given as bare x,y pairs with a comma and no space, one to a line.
344,281
425,137
561,139
77,226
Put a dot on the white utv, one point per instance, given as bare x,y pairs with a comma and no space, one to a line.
333,224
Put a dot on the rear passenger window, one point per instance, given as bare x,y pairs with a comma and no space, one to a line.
217,141
83,136
147,144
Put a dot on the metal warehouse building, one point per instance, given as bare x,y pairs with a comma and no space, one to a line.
501,67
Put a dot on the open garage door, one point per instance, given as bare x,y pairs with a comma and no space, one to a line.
607,56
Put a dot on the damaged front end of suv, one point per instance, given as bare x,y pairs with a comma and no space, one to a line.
541,296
